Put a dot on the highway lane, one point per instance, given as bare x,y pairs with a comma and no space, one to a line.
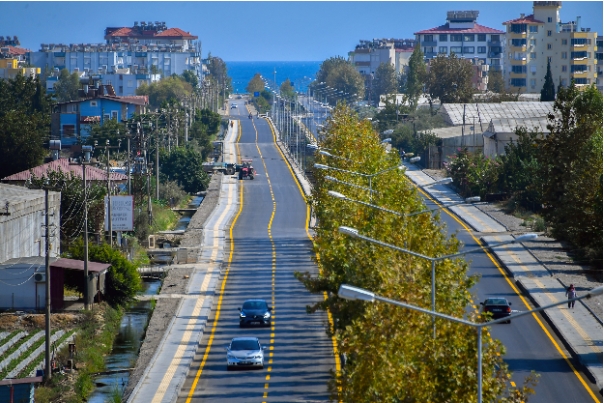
269,242
530,343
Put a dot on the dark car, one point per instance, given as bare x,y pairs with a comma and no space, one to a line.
255,312
499,307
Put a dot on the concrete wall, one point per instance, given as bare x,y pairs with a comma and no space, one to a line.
23,229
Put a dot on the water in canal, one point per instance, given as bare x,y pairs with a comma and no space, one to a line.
184,220
125,346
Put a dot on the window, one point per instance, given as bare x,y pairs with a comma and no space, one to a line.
533,42
578,55
428,38
482,49
549,19
564,69
114,115
456,49
468,37
518,69
581,81
468,49
533,55
564,55
578,68
481,37
564,41
563,82
533,82
518,28
518,82
518,42
443,37
549,33
534,70
68,130
579,41
549,59
533,29
93,103
105,116
456,37
443,49
549,46
495,38
428,49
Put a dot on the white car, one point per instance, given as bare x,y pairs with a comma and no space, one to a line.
233,106
245,352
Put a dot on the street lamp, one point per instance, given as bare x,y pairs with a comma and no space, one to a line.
355,293
355,234
332,179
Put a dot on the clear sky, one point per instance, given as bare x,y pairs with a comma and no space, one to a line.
264,31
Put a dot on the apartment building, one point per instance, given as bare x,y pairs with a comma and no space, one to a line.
368,55
464,37
532,41
129,57
599,62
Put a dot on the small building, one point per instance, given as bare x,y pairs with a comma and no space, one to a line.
502,132
22,220
23,282
19,390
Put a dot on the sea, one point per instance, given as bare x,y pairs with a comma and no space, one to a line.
300,74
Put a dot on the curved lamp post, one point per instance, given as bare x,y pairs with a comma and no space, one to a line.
355,293
355,234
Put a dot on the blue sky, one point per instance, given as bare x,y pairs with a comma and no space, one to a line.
264,31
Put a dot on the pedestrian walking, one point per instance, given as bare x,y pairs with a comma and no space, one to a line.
571,293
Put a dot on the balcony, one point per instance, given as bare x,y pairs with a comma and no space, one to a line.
494,55
494,43
429,43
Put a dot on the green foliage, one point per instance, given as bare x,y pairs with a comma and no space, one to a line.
184,165
111,130
385,82
287,91
571,170
473,173
172,88
340,74
123,280
548,92
190,77
391,354
66,88
450,79
496,83
416,77
519,175
255,85
24,124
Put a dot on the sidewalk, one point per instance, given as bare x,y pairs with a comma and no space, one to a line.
168,368
578,327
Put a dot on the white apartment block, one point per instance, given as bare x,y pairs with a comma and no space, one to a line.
464,37
368,55
129,57
533,40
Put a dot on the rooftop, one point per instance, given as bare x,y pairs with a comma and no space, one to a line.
62,164
486,112
445,29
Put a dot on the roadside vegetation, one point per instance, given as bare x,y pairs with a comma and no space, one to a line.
390,352
556,176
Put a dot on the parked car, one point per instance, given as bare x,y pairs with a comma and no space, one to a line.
233,106
245,352
499,307
254,312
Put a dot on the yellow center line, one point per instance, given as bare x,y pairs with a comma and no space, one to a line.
334,343
522,298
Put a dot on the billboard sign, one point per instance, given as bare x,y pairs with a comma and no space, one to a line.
122,213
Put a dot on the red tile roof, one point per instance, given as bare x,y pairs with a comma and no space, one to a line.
134,33
135,99
444,29
92,173
529,19
175,32
16,51
124,31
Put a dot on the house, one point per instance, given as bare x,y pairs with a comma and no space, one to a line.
72,121
23,282
22,220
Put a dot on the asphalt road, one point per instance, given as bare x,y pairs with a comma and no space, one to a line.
530,343
269,243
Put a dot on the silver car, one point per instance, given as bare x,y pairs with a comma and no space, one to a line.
245,352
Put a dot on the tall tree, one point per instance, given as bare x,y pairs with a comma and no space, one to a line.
190,77
416,76
548,92
287,91
385,82
450,79
339,74
24,124
66,88
571,169
173,89
256,84
496,83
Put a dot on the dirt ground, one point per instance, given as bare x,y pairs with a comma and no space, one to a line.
29,322
553,255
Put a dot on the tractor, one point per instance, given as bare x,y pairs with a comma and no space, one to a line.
246,170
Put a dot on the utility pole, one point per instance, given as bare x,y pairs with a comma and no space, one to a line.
109,218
